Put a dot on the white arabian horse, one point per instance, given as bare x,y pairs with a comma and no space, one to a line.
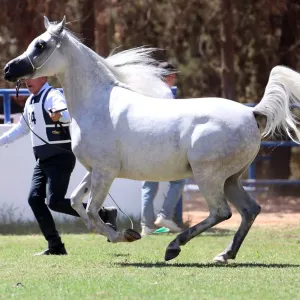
122,128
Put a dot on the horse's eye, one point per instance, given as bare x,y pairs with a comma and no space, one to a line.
40,46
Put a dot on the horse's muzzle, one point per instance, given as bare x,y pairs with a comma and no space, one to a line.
16,69
7,74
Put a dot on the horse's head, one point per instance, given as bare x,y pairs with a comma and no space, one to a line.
38,60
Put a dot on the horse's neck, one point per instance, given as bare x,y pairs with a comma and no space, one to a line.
84,77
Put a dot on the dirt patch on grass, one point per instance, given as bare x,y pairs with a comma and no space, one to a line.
276,212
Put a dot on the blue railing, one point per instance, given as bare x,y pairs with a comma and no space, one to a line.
252,168
7,94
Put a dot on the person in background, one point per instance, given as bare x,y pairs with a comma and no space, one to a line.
55,161
171,203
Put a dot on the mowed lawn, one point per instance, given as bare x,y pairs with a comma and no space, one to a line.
267,267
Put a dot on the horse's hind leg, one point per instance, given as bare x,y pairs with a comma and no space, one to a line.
219,211
248,209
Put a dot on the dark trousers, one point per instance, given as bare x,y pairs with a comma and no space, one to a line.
50,180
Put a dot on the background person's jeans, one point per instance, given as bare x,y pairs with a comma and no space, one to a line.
178,212
149,191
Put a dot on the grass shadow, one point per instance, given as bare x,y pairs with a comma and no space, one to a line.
120,254
207,265
215,232
218,232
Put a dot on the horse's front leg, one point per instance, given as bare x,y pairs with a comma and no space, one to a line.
77,199
100,184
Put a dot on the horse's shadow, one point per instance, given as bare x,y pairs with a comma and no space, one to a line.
215,232
207,265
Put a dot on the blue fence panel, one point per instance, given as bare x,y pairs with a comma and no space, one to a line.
252,170
6,94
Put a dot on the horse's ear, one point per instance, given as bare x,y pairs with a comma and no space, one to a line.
60,26
46,22
63,22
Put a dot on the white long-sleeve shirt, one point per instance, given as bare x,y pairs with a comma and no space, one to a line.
55,101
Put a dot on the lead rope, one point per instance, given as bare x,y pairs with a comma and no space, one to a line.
17,98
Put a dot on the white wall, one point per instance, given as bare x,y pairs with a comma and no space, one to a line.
16,167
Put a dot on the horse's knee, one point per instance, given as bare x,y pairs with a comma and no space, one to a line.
77,197
91,213
74,202
257,209
250,213
226,214
221,214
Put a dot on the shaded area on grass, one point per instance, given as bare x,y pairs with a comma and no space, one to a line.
208,265
218,232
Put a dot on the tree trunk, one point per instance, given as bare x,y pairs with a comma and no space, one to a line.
88,23
101,27
227,50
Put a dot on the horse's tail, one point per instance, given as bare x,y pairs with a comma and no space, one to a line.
282,91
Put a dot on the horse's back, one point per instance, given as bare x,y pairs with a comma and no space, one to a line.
179,118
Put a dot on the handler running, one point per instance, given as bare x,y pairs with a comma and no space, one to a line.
55,160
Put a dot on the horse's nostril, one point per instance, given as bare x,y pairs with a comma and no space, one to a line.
6,69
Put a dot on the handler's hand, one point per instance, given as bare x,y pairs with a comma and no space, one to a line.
55,116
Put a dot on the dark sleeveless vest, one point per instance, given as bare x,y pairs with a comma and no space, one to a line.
40,122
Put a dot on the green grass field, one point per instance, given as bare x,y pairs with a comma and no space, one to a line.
267,267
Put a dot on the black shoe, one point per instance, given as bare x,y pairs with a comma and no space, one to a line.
109,216
58,250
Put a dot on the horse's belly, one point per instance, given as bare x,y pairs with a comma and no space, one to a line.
155,169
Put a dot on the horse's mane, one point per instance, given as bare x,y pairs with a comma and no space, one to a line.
139,70
136,68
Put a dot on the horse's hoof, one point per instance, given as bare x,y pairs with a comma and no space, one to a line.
220,260
172,253
131,235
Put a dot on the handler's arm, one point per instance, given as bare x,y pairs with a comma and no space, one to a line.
17,131
56,101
